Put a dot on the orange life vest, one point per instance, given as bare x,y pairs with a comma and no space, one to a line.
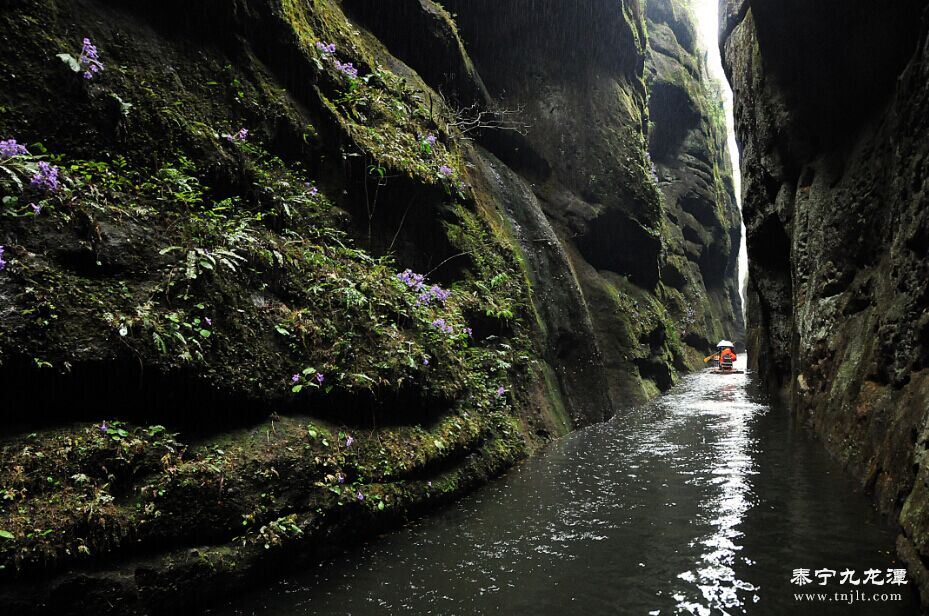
727,357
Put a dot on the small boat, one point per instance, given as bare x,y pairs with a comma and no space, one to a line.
724,365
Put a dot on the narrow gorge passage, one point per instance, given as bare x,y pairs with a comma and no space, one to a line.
701,502
406,306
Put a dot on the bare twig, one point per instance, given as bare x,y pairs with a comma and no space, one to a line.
400,227
455,256
471,118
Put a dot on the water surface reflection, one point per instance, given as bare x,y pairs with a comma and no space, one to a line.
701,502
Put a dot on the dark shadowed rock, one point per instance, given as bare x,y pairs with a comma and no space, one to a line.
687,143
575,74
833,128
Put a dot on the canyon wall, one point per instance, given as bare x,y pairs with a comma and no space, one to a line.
659,284
687,144
277,274
831,114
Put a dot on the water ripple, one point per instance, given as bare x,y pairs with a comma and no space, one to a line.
682,506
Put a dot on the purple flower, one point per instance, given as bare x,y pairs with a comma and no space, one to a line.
360,496
104,427
90,58
325,48
9,148
442,326
431,139
439,293
425,361
500,391
88,52
314,191
295,378
208,320
349,441
242,135
425,298
413,281
320,377
347,69
2,262
340,478
36,209
446,171
46,178
468,331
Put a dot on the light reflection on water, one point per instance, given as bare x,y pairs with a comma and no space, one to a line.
701,502
729,411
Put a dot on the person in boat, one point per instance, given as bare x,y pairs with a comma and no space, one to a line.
727,358
725,355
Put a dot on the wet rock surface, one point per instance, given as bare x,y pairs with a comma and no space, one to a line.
586,157
833,136
687,144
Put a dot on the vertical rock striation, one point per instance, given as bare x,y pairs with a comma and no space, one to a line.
687,144
656,282
831,111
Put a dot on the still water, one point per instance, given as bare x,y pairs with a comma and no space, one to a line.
701,502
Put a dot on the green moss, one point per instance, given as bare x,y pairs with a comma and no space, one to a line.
556,404
239,487
239,262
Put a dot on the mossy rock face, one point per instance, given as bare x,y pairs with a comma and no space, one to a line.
215,329
583,93
222,291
